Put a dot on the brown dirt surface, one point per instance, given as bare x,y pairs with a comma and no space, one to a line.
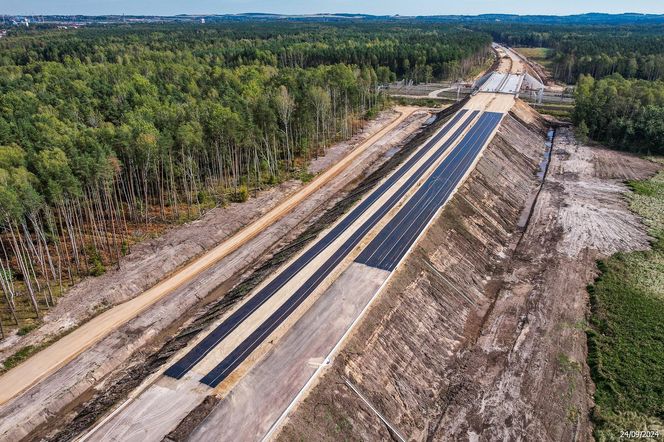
612,165
480,335
192,420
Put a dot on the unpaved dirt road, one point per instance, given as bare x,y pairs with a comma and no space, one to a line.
56,355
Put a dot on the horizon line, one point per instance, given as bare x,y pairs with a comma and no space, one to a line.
334,14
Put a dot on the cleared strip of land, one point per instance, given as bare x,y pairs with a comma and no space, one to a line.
232,353
138,422
256,404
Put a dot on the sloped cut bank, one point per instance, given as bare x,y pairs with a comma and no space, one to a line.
400,356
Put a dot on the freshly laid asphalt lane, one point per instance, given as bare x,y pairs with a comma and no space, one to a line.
469,149
196,354
393,241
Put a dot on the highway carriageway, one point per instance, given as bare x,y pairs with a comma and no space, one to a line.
404,229
391,244
207,344
387,249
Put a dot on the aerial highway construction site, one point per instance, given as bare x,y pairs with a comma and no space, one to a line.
311,320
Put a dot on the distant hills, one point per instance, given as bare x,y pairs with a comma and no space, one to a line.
590,18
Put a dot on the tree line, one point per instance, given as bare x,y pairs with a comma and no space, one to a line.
107,129
399,49
624,113
633,51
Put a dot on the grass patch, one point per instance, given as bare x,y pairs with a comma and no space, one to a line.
534,53
26,329
25,352
626,330
305,176
538,55
563,115
18,357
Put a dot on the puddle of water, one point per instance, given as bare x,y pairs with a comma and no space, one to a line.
547,155
532,197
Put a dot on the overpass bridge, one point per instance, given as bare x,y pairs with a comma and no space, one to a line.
502,83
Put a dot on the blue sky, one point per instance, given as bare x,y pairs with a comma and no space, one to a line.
419,7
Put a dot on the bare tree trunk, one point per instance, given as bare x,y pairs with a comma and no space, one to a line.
7,287
21,262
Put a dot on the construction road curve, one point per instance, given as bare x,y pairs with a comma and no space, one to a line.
263,355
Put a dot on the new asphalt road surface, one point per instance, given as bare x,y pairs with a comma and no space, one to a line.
390,245
197,353
386,250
